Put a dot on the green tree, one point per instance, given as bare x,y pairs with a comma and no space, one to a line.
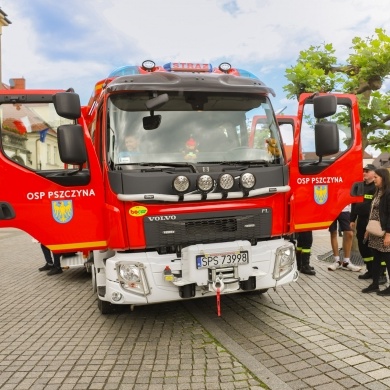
362,74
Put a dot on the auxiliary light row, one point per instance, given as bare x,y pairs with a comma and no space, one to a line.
205,183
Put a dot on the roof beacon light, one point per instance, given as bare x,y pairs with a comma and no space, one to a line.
148,65
225,67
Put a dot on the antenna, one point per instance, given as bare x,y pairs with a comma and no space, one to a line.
280,111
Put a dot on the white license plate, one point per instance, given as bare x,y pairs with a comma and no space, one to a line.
222,259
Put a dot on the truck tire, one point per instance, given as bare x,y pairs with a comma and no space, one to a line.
106,307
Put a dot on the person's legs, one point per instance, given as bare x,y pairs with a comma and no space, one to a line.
49,262
305,242
56,269
335,247
376,266
386,291
347,243
344,222
364,249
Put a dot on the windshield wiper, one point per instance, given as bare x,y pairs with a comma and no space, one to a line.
238,162
162,165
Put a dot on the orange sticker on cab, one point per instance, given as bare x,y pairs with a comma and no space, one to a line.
138,211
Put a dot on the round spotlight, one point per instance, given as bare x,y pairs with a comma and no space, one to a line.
181,183
226,181
148,65
205,183
247,181
225,67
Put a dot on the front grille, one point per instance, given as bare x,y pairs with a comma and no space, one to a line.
190,229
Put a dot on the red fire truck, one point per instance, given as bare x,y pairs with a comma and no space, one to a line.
158,177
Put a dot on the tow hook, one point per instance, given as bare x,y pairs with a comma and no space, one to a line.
218,284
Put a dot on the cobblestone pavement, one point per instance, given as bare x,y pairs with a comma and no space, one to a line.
318,333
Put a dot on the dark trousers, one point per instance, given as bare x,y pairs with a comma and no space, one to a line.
365,251
49,260
376,265
305,241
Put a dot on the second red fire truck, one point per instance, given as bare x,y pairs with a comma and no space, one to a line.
169,179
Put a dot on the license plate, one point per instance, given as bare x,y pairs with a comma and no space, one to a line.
222,259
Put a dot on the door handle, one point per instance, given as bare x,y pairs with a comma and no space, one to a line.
6,211
357,189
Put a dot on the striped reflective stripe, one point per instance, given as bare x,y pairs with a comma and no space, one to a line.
78,245
315,225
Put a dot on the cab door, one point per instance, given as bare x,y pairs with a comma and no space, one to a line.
326,162
60,205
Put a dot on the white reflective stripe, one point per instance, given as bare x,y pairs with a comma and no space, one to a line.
210,196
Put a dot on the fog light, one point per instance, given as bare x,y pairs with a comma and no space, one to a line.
116,296
226,181
181,184
247,181
205,183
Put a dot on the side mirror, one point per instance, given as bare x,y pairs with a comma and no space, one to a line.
67,105
324,106
326,136
71,144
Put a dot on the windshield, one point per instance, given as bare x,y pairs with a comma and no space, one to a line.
194,128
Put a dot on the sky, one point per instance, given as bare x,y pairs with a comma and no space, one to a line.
61,44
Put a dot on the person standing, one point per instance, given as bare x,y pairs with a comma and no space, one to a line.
53,265
343,220
360,213
380,245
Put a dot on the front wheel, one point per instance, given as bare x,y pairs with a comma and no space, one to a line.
106,307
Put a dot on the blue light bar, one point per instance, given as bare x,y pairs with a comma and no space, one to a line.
245,73
124,71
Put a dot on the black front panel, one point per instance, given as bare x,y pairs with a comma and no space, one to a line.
204,228
147,181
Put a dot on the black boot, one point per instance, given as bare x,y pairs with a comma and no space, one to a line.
298,256
306,268
368,273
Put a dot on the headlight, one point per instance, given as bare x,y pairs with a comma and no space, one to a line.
205,183
132,277
226,181
247,181
129,273
284,261
181,183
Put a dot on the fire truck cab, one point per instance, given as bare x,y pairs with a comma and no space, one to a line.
165,178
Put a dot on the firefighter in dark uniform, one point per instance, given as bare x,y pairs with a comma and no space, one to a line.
303,252
360,213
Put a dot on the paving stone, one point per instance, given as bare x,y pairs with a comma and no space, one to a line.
293,334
